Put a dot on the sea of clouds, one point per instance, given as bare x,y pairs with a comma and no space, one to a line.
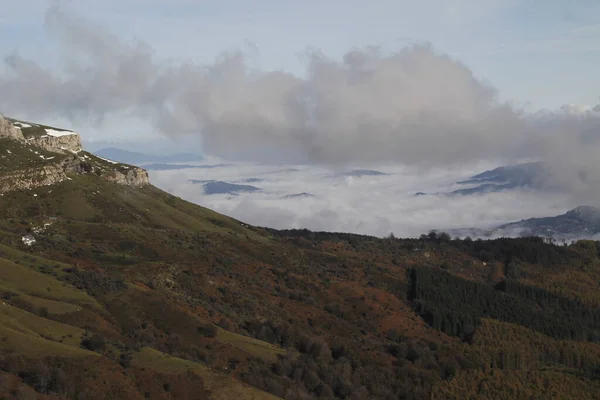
373,205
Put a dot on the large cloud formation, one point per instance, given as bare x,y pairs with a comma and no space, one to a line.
417,106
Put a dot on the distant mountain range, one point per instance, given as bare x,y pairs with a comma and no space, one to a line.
580,222
169,167
529,175
299,195
535,175
358,173
133,157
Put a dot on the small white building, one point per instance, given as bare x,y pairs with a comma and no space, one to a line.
28,240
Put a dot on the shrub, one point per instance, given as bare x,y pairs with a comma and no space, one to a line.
94,343
207,330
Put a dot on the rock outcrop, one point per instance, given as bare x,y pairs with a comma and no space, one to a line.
7,129
58,144
32,178
136,177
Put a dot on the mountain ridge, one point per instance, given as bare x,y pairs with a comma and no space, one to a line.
578,223
38,155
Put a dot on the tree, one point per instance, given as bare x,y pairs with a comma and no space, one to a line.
444,237
208,330
512,270
94,343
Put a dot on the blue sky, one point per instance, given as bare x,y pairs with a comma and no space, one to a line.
546,52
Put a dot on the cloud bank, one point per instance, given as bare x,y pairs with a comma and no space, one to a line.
417,107
374,205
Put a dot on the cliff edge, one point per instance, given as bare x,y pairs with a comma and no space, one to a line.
33,155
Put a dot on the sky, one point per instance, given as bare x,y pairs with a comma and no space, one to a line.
541,53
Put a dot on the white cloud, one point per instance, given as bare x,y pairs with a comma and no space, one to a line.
416,105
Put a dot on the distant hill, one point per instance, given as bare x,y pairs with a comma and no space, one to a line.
580,222
535,175
529,175
532,175
133,157
169,167
299,195
220,187
583,221
357,173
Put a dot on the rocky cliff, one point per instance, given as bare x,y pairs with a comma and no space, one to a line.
35,155
32,178
58,144
7,129
137,177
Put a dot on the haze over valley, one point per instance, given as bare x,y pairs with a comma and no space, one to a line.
375,204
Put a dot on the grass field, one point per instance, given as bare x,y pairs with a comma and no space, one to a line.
21,279
254,347
34,346
30,324
222,387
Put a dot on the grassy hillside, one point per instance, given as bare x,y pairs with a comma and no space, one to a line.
133,293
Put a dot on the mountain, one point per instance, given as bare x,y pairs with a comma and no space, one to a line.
580,222
358,173
132,157
529,175
113,289
535,175
517,175
37,155
220,187
299,195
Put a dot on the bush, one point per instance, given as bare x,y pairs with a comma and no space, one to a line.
208,330
94,343
445,265
95,283
412,354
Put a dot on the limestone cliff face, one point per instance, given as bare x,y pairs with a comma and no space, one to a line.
7,129
70,159
58,144
32,178
137,177
56,141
